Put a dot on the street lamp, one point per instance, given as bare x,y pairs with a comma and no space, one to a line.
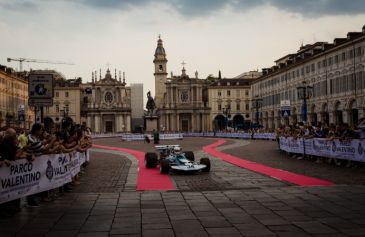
256,104
304,93
227,113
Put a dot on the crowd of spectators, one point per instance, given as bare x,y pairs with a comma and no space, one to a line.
43,138
341,131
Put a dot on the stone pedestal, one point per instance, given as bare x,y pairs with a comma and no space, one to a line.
151,122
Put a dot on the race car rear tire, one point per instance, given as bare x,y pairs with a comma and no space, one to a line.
150,159
164,166
205,161
189,155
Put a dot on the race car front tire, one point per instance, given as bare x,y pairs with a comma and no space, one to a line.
189,155
150,159
164,166
205,161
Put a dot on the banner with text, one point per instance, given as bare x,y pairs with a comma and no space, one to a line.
346,149
23,178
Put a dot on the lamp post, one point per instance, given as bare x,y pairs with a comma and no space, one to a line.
304,93
227,113
256,104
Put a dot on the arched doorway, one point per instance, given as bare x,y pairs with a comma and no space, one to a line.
219,122
338,113
353,113
238,122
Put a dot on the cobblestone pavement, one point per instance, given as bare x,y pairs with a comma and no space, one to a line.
105,173
230,202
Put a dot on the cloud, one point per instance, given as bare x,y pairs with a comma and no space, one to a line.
202,8
18,5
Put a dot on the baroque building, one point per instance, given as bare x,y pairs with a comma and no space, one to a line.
180,100
14,109
334,70
106,104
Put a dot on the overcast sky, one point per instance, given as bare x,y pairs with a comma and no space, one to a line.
233,36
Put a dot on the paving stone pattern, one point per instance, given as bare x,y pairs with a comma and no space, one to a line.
106,172
287,211
243,204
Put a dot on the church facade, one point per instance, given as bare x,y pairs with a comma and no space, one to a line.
107,104
181,101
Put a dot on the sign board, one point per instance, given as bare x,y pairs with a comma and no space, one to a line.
40,86
40,102
285,112
284,103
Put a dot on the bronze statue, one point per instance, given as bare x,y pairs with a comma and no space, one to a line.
150,106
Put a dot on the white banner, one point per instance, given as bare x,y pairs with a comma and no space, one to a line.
140,137
23,178
346,149
267,136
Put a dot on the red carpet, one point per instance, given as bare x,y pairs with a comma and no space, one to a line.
148,179
283,175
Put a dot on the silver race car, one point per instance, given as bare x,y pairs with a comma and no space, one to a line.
170,157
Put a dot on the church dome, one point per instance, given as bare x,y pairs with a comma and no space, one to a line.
160,49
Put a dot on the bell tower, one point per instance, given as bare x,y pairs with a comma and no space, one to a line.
160,74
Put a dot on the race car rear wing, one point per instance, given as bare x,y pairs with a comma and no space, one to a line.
167,147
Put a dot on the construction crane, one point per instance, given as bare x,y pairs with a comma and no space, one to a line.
28,60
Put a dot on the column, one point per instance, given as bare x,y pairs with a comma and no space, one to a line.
177,122
122,123
88,121
128,123
117,123
97,124
193,123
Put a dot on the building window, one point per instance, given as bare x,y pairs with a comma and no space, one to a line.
228,93
313,67
57,108
358,51
57,94
246,92
343,56
307,69
108,97
336,59
330,61
247,106
351,53
219,93
66,94
324,63
238,108
219,107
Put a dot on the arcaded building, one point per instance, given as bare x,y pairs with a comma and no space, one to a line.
334,70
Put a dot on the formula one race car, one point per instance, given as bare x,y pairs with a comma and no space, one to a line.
171,158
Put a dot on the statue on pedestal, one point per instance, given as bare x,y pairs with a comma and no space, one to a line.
150,106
